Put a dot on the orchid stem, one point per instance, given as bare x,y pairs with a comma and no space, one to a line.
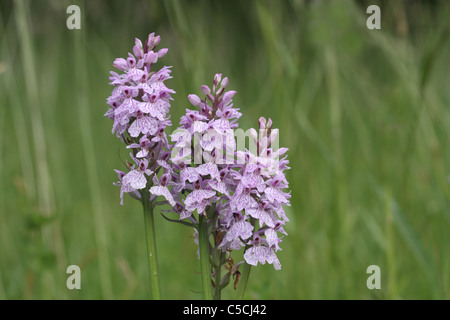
205,265
151,245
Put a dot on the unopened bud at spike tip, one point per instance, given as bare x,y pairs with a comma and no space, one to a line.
262,123
224,82
206,90
156,40
228,96
162,52
217,78
151,57
194,99
138,52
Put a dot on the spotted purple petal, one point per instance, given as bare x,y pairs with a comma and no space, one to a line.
163,191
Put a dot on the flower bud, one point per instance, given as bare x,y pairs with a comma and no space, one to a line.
151,57
120,63
149,42
194,99
262,123
162,52
217,78
206,90
210,97
228,96
138,49
224,82
273,135
138,43
156,40
254,135
219,91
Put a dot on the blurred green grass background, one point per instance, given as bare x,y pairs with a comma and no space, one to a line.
365,114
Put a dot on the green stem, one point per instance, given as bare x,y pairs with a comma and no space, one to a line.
151,245
205,265
243,281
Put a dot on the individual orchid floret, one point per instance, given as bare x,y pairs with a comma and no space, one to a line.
135,179
163,190
262,253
